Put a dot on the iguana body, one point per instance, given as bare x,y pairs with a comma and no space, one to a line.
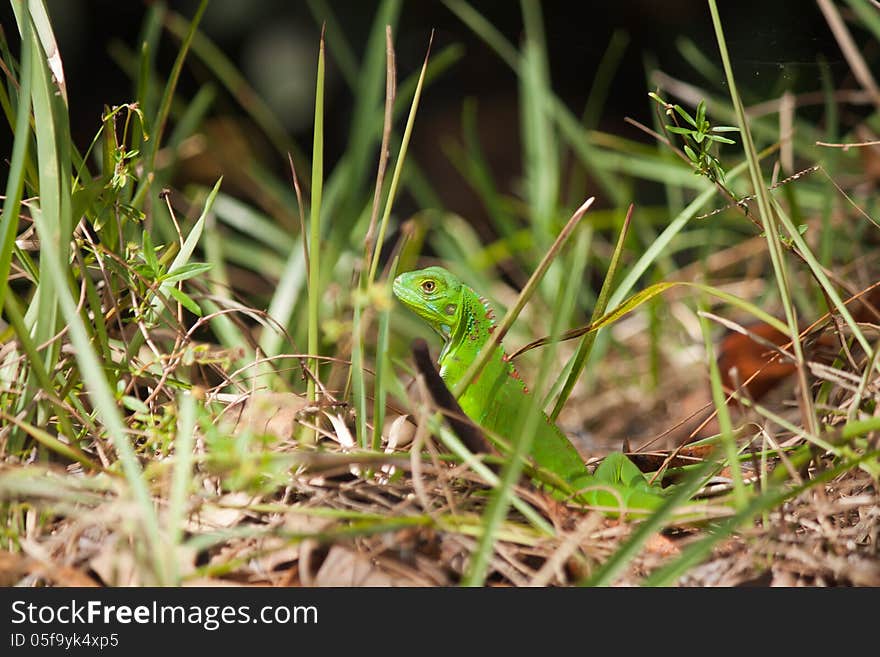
494,399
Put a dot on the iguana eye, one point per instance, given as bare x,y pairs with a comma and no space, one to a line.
428,286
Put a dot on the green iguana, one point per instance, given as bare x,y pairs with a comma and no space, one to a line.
493,400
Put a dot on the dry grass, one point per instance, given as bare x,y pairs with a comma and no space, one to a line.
348,518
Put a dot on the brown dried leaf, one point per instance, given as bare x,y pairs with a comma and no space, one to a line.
278,550
343,435
226,512
661,545
272,413
115,564
345,567
13,566
399,433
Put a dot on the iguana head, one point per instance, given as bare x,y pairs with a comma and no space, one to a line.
433,294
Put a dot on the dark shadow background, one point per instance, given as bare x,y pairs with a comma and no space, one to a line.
775,45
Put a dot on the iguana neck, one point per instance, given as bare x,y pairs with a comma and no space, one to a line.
474,325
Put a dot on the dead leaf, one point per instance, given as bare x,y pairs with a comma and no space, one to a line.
345,567
272,413
343,435
226,512
115,564
278,551
13,566
661,545
399,433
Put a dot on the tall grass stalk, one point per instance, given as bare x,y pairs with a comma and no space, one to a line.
529,415
768,222
586,344
315,290
528,290
398,166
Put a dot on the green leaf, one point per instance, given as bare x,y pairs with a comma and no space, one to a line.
149,253
185,301
701,111
186,271
687,117
189,245
722,140
616,468
135,404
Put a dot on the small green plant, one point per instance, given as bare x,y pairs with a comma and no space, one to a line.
698,137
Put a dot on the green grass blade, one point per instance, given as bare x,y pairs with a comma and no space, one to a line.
380,392
584,348
526,293
53,219
398,168
158,124
181,479
768,223
646,295
605,71
315,291
151,30
359,389
540,151
46,36
527,420
821,277
728,440
15,181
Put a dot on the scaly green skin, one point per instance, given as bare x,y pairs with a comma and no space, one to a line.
494,398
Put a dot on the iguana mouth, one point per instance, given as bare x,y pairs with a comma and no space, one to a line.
402,292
